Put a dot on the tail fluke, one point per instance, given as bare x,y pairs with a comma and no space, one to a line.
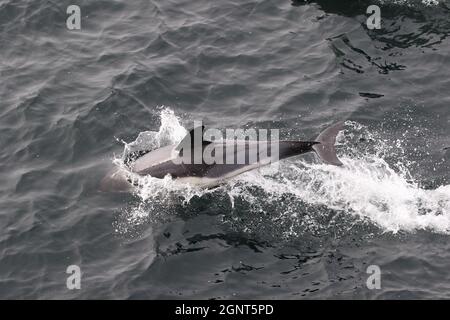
325,148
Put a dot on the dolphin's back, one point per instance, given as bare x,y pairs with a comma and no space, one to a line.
229,158
152,158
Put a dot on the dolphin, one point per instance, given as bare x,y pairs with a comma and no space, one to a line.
178,160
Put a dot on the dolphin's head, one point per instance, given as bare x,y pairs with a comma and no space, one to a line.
116,180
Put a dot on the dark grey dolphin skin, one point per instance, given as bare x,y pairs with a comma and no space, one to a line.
174,161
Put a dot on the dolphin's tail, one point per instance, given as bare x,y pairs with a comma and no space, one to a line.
325,148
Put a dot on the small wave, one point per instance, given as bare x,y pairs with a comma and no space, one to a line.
367,187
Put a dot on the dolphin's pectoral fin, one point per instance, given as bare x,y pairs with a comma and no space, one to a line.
325,148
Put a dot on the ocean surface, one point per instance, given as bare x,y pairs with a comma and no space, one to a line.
138,73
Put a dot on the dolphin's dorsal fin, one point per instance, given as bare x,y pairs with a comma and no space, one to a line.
188,140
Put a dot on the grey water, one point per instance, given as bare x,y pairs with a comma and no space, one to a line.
137,74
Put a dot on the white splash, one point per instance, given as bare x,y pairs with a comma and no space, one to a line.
368,189
170,131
